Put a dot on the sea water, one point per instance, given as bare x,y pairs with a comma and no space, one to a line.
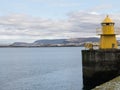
48,68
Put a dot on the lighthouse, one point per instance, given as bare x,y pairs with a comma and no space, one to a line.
101,64
108,36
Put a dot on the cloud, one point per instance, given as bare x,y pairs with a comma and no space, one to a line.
64,4
101,7
57,3
20,27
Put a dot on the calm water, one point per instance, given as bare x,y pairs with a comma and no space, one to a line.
57,68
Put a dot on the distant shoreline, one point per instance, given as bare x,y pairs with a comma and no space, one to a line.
34,46
74,42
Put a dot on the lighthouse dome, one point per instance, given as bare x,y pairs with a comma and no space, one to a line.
107,20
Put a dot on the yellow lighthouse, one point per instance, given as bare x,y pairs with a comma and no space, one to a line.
108,36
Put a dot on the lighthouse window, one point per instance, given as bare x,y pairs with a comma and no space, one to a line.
107,23
103,24
111,23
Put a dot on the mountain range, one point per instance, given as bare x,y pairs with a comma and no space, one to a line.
56,42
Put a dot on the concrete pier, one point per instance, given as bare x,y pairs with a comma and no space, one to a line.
113,84
99,66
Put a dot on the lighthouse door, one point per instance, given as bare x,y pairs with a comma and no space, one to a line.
113,45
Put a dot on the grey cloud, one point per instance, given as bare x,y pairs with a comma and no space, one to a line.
23,27
101,7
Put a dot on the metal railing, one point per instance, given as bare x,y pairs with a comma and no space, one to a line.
99,31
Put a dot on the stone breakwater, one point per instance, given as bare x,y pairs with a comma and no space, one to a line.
113,84
99,66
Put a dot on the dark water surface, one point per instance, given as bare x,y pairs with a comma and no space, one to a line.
54,68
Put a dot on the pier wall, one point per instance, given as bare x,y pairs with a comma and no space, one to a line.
113,84
99,66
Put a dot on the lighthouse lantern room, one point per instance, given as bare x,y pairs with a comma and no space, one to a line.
108,36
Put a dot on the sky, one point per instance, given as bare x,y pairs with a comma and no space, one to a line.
30,20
